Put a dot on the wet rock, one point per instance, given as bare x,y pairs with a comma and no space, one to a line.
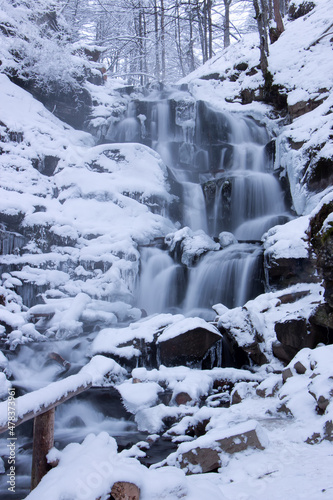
319,175
199,429
283,272
289,298
255,353
122,490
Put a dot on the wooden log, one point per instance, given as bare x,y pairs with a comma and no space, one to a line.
43,440
45,408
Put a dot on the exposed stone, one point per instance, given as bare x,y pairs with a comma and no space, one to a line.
282,273
200,460
122,490
294,335
235,398
188,347
319,175
255,353
289,298
182,398
283,352
204,459
322,318
241,66
302,107
242,391
322,241
198,429
327,434
46,165
323,403
269,387
284,409
287,373
299,367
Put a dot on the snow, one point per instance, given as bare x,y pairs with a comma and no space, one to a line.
108,340
210,438
289,241
89,470
92,373
192,243
184,326
139,396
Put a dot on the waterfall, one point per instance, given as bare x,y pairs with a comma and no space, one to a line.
161,283
226,183
228,277
194,211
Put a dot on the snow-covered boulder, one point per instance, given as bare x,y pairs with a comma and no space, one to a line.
190,245
186,341
164,338
204,454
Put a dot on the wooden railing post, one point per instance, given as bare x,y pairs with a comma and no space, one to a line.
43,440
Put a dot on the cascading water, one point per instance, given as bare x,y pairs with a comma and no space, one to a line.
162,283
226,183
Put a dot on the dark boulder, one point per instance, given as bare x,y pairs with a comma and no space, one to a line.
293,335
182,344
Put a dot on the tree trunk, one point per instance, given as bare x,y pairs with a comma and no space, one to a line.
162,40
190,48
157,43
277,16
262,36
226,27
210,29
178,39
201,32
